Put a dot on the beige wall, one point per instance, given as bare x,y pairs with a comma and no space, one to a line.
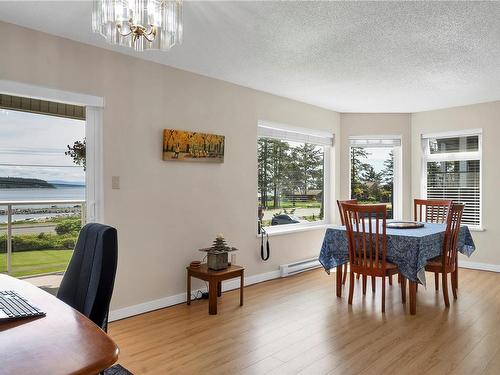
487,117
356,124
165,211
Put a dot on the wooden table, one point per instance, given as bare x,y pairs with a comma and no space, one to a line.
409,249
62,342
214,279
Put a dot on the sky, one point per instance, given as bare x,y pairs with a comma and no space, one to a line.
377,156
33,146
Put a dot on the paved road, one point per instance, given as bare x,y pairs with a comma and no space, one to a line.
300,212
18,229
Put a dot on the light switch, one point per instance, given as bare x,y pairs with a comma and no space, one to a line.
115,182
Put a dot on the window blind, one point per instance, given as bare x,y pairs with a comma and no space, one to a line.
44,107
374,142
450,176
287,133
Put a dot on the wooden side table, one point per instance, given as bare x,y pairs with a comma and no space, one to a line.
214,279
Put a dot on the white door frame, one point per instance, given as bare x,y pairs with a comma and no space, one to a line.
94,192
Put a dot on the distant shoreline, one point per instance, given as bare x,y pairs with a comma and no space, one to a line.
24,183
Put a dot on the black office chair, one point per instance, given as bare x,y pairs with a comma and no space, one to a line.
88,283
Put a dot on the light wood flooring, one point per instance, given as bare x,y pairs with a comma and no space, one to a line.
297,325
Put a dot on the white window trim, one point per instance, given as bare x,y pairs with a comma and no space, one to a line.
94,160
278,230
274,126
458,156
263,129
398,167
453,134
94,194
45,93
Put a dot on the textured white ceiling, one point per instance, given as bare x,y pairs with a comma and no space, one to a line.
345,56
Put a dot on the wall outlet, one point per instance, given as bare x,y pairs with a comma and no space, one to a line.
115,182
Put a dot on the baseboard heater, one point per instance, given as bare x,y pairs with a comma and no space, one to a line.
297,267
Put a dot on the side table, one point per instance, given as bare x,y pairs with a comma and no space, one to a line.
214,279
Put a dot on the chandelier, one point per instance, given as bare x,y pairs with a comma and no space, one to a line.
139,24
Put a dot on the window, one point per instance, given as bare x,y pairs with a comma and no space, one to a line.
292,175
42,192
452,170
375,171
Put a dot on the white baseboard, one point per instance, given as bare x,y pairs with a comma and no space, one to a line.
181,297
479,266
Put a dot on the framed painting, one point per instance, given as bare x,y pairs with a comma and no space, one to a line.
180,145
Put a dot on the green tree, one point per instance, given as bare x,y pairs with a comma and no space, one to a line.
78,153
273,162
264,170
306,168
358,168
388,179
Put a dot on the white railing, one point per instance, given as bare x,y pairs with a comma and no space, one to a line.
10,212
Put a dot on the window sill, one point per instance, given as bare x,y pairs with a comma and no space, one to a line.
476,229
281,230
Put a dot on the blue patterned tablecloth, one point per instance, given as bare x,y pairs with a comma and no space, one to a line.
409,249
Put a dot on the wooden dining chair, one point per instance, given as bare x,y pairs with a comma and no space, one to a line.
447,262
367,240
431,211
341,212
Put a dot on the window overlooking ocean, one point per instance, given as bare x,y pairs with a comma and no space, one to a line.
36,166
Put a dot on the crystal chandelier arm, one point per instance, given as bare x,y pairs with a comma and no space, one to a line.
130,27
151,33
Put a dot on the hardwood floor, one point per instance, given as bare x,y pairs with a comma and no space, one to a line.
298,326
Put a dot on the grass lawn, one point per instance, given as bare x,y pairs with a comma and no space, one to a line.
28,263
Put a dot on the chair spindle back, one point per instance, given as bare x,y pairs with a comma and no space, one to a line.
367,239
430,210
341,211
450,243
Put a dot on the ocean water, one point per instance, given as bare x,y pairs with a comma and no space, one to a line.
61,192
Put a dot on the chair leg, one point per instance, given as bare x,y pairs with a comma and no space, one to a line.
399,278
445,289
436,280
351,287
374,283
357,276
364,284
454,284
383,294
390,279
344,276
403,288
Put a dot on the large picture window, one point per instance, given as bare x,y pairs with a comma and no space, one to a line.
292,170
375,172
452,171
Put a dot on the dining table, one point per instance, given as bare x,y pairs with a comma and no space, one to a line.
409,249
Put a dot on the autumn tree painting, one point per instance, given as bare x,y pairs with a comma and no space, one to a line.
192,146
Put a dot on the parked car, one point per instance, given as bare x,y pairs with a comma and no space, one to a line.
286,219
